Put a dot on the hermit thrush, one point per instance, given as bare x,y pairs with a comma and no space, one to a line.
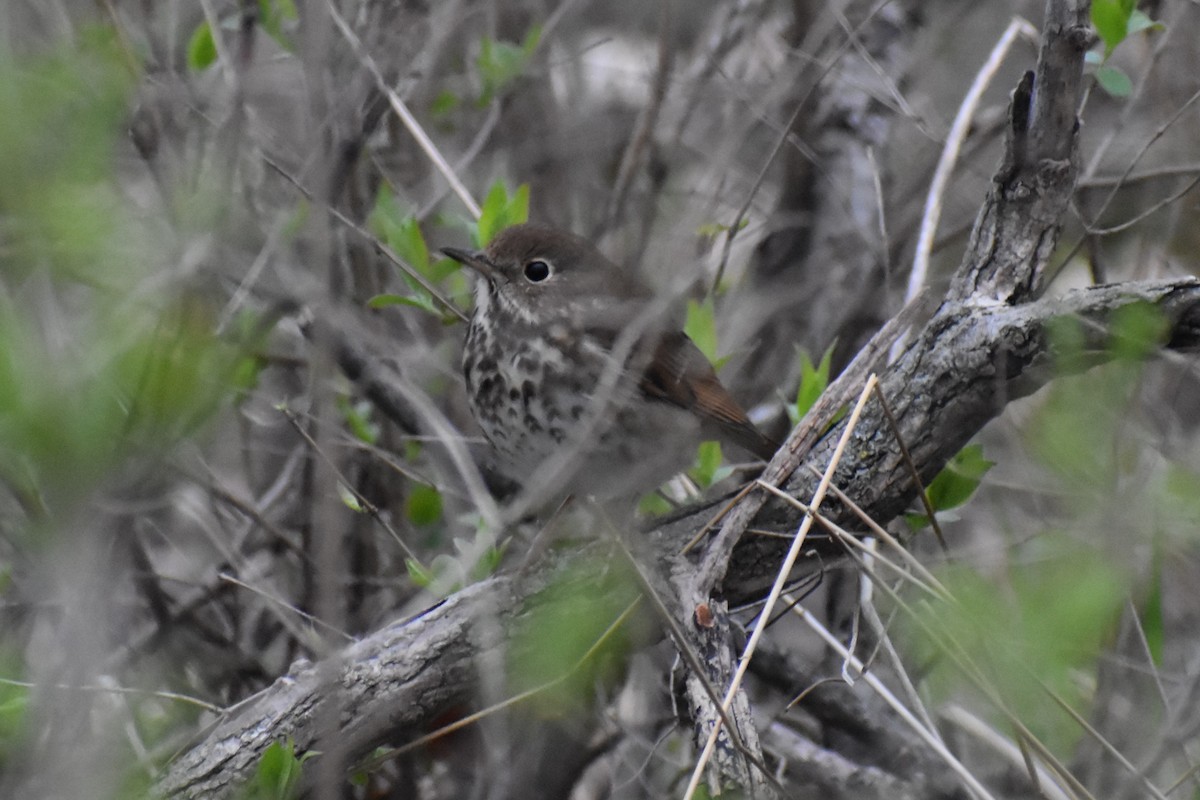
577,377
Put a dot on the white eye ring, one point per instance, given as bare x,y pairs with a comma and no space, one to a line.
537,270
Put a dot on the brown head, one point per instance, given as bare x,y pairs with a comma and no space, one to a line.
540,274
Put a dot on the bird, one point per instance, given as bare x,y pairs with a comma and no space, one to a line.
579,376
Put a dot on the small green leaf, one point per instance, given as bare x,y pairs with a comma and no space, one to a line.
348,498
418,574
423,506
707,465
955,484
813,382
202,49
1114,80
701,327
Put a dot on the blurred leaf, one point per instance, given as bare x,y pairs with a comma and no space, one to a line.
14,717
61,207
202,50
499,63
711,229
423,506
701,327
1068,345
1138,22
358,419
419,299
1047,623
488,563
1150,611
274,15
444,103
564,640
1114,80
653,504
1136,331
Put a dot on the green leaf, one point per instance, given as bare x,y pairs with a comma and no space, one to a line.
955,484
349,499
500,211
707,469
813,382
701,327
400,231
278,774
202,49
423,506
418,574
409,243
1114,81
1111,20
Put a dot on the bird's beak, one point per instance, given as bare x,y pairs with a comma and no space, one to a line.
475,260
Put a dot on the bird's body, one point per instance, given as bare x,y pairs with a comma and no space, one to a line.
577,374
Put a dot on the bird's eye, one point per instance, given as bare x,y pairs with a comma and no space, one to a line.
537,271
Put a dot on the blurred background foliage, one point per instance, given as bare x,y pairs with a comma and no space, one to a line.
200,203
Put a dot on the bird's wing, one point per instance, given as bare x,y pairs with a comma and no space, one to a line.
678,373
